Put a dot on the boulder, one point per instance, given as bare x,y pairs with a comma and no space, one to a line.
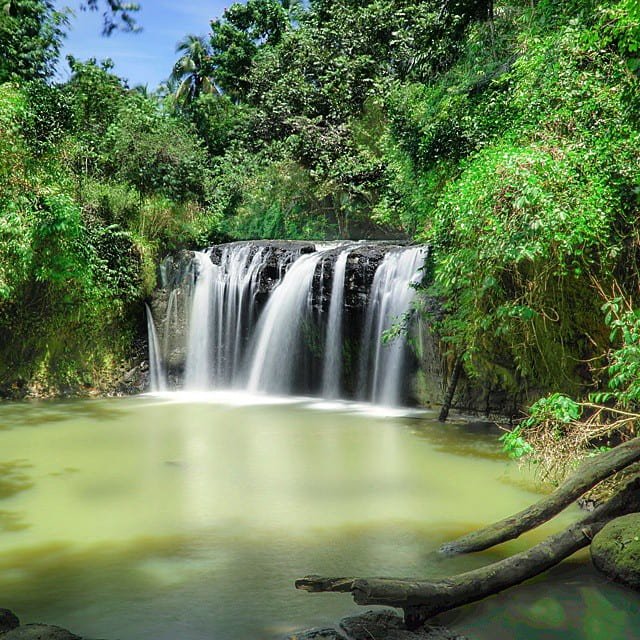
8,621
376,624
40,632
616,550
390,626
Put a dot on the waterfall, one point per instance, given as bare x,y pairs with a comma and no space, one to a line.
156,370
222,315
332,369
382,363
198,369
286,318
277,348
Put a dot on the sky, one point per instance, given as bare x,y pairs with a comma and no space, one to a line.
144,58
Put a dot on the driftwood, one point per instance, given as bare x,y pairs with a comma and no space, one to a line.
423,599
586,477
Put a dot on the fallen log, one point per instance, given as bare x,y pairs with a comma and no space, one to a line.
592,471
422,599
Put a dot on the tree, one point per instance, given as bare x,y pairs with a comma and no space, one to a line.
193,70
243,30
154,151
31,32
117,15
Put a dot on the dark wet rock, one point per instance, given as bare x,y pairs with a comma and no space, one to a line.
40,632
615,551
361,268
388,625
278,256
317,634
376,625
8,621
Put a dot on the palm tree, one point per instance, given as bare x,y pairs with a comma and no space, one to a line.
193,70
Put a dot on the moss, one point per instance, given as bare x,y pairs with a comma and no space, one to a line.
616,550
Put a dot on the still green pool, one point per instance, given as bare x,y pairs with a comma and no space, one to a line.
189,517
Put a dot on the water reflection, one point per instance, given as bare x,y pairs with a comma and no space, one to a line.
153,518
13,477
38,413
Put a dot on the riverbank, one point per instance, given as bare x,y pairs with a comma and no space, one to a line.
126,377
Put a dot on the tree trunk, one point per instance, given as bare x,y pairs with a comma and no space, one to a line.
451,390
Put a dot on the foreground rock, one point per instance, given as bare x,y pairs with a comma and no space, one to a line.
616,550
39,632
379,625
10,629
8,621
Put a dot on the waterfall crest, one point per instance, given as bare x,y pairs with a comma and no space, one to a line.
288,318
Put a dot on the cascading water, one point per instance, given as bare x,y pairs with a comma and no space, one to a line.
332,369
382,362
156,370
199,355
222,315
277,349
288,318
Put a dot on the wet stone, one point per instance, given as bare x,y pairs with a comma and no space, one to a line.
379,625
388,625
40,632
8,621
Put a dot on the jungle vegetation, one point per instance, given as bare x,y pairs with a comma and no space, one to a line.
503,133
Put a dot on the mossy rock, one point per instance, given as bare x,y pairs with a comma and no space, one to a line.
616,550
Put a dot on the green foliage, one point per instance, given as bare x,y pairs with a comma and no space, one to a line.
236,38
309,86
95,182
519,166
153,151
514,445
48,118
505,134
117,15
623,366
31,33
96,96
275,200
57,235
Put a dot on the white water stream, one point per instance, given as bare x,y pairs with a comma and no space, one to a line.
332,370
277,344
